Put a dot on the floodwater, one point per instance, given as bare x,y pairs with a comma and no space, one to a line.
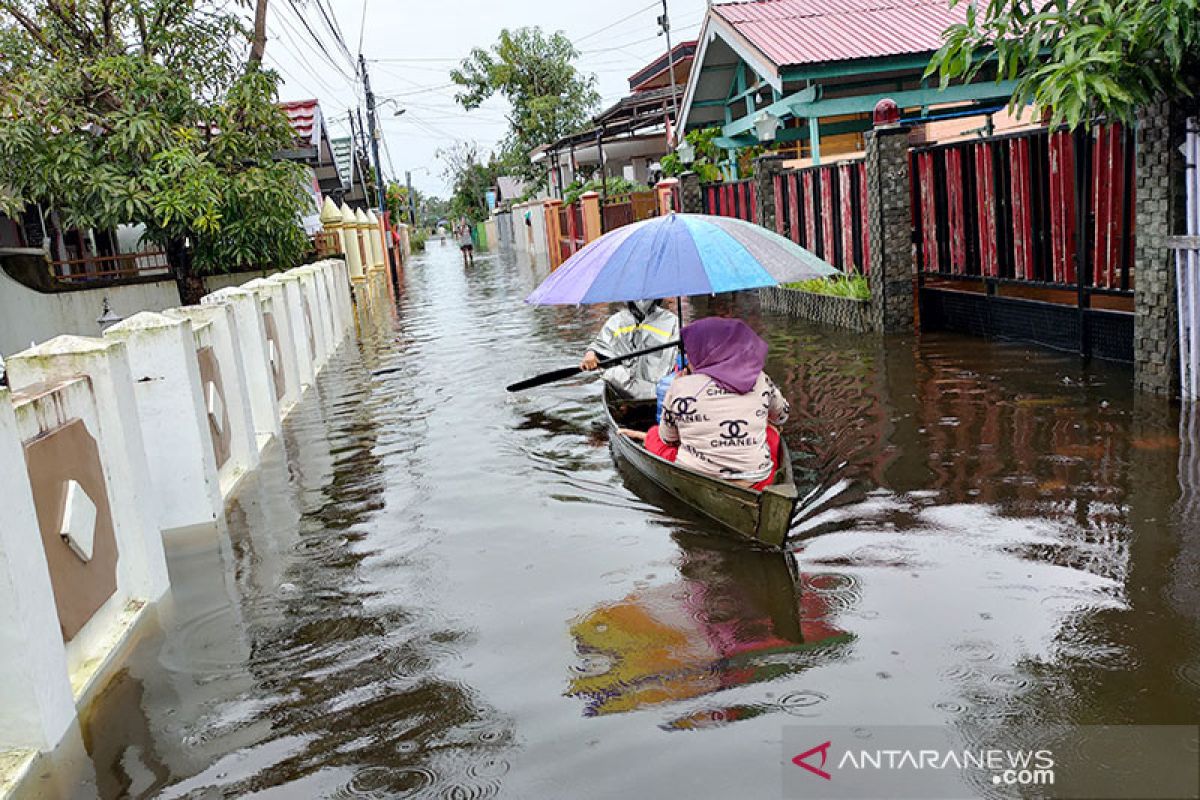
436,589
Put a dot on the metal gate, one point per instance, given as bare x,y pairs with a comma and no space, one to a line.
1187,270
1029,237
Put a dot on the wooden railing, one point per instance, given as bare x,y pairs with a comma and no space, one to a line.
626,209
327,244
107,268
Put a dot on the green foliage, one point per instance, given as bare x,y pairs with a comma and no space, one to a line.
471,179
613,185
854,287
417,237
708,155
1078,59
143,112
547,95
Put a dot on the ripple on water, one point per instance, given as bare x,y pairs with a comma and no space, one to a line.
802,703
466,791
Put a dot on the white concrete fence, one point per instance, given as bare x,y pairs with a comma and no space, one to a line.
108,444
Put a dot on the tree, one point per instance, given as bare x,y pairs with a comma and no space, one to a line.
547,95
145,112
1077,59
707,156
471,179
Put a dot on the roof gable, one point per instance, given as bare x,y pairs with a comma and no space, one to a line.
802,32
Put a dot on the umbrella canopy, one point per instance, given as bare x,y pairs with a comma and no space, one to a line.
678,254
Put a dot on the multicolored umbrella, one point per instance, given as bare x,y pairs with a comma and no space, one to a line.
678,255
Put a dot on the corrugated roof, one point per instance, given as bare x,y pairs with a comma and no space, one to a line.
797,32
303,116
343,150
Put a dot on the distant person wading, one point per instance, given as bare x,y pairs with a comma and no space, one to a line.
465,244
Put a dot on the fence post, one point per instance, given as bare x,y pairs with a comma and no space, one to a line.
664,190
689,189
133,500
889,220
260,376
766,167
1160,214
174,422
331,220
590,202
348,230
553,250
36,703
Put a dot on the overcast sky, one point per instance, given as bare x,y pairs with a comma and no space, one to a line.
412,46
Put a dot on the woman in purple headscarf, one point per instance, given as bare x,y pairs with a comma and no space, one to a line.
719,417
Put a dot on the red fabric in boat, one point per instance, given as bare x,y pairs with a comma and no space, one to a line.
658,447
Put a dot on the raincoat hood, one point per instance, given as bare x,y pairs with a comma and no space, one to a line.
641,308
726,350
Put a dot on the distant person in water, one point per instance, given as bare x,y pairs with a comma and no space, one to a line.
465,244
720,416
636,327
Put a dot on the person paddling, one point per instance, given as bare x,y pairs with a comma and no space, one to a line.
720,416
638,326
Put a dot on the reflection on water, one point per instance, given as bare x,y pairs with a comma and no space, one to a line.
735,618
437,589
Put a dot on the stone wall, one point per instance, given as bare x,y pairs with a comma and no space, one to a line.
839,312
889,212
689,190
1160,214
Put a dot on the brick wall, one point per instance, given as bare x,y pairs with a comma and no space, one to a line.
839,312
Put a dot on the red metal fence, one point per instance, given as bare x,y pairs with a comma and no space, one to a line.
824,209
731,199
1023,207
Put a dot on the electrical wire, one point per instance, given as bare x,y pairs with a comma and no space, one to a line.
598,31
313,34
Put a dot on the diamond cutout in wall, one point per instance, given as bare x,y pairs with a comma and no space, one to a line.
79,521
216,407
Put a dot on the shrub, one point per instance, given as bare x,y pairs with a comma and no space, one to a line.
854,287
416,239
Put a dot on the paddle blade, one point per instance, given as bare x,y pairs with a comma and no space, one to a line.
544,378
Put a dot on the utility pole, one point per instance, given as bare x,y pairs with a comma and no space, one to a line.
664,29
412,208
373,122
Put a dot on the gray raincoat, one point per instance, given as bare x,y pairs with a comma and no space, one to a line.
625,332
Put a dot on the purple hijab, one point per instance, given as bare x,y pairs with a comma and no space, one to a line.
726,350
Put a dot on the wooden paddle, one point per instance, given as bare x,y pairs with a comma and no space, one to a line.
567,372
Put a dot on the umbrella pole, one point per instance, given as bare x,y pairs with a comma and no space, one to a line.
679,308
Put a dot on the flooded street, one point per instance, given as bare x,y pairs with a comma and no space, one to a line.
442,590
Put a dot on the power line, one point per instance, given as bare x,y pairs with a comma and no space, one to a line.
362,28
317,39
308,68
598,31
331,22
288,32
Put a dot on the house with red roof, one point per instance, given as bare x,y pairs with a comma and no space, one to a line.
808,73
339,169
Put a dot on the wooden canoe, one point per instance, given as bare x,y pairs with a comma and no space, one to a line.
761,518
